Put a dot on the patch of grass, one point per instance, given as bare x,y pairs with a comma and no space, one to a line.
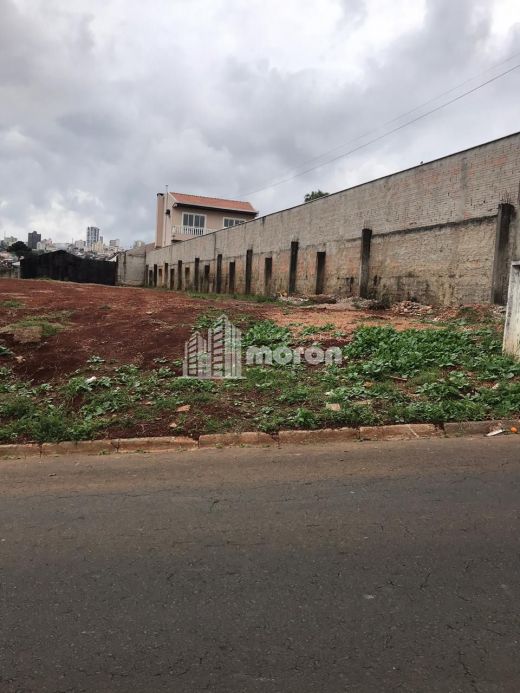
16,406
353,414
184,385
294,396
431,375
50,323
310,330
251,298
95,361
267,333
384,351
207,319
213,424
434,375
11,303
48,329
49,424
167,403
57,316
436,412
303,418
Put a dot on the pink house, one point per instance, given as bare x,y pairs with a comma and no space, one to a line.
181,216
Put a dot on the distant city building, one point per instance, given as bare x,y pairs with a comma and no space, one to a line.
46,245
92,236
97,247
114,243
138,244
9,240
33,238
79,244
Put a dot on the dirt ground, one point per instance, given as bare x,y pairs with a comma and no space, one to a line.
134,325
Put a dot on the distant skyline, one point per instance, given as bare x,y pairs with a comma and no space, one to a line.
102,104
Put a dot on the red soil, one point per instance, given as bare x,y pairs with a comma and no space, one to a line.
127,325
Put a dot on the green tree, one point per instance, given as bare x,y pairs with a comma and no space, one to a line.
19,248
309,197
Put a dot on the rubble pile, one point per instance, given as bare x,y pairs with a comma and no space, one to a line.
411,308
293,300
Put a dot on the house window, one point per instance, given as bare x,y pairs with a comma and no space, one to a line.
197,221
228,221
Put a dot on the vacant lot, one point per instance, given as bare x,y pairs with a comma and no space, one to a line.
85,361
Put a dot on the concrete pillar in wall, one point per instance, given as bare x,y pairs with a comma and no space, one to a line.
512,325
249,270
366,241
268,275
501,257
196,274
293,267
218,284
320,272
231,278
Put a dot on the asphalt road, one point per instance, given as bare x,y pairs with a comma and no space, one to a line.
360,567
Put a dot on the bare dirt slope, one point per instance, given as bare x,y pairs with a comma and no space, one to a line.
132,325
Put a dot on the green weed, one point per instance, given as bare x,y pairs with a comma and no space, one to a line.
267,333
11,303
310,330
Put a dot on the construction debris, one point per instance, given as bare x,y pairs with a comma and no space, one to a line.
496,432
411,308
322,298
293,300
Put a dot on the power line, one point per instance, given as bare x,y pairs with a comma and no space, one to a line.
390,132
412,110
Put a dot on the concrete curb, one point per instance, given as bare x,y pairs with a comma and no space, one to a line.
476,428
213,440
256,438
399,432
322,435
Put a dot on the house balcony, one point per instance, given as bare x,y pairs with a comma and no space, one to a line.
184,232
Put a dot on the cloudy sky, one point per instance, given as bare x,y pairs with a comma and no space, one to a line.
104,102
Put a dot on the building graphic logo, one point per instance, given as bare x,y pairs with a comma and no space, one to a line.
219,355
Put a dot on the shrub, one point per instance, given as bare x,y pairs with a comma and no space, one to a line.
267,333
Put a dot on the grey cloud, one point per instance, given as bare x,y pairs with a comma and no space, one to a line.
74,115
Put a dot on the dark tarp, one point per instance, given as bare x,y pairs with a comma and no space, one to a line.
64,266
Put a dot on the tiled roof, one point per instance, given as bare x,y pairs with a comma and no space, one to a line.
213,202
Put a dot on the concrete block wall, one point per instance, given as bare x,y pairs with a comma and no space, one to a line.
131,269
445,264
434,234
512,324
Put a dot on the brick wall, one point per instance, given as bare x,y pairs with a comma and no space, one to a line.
433,226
